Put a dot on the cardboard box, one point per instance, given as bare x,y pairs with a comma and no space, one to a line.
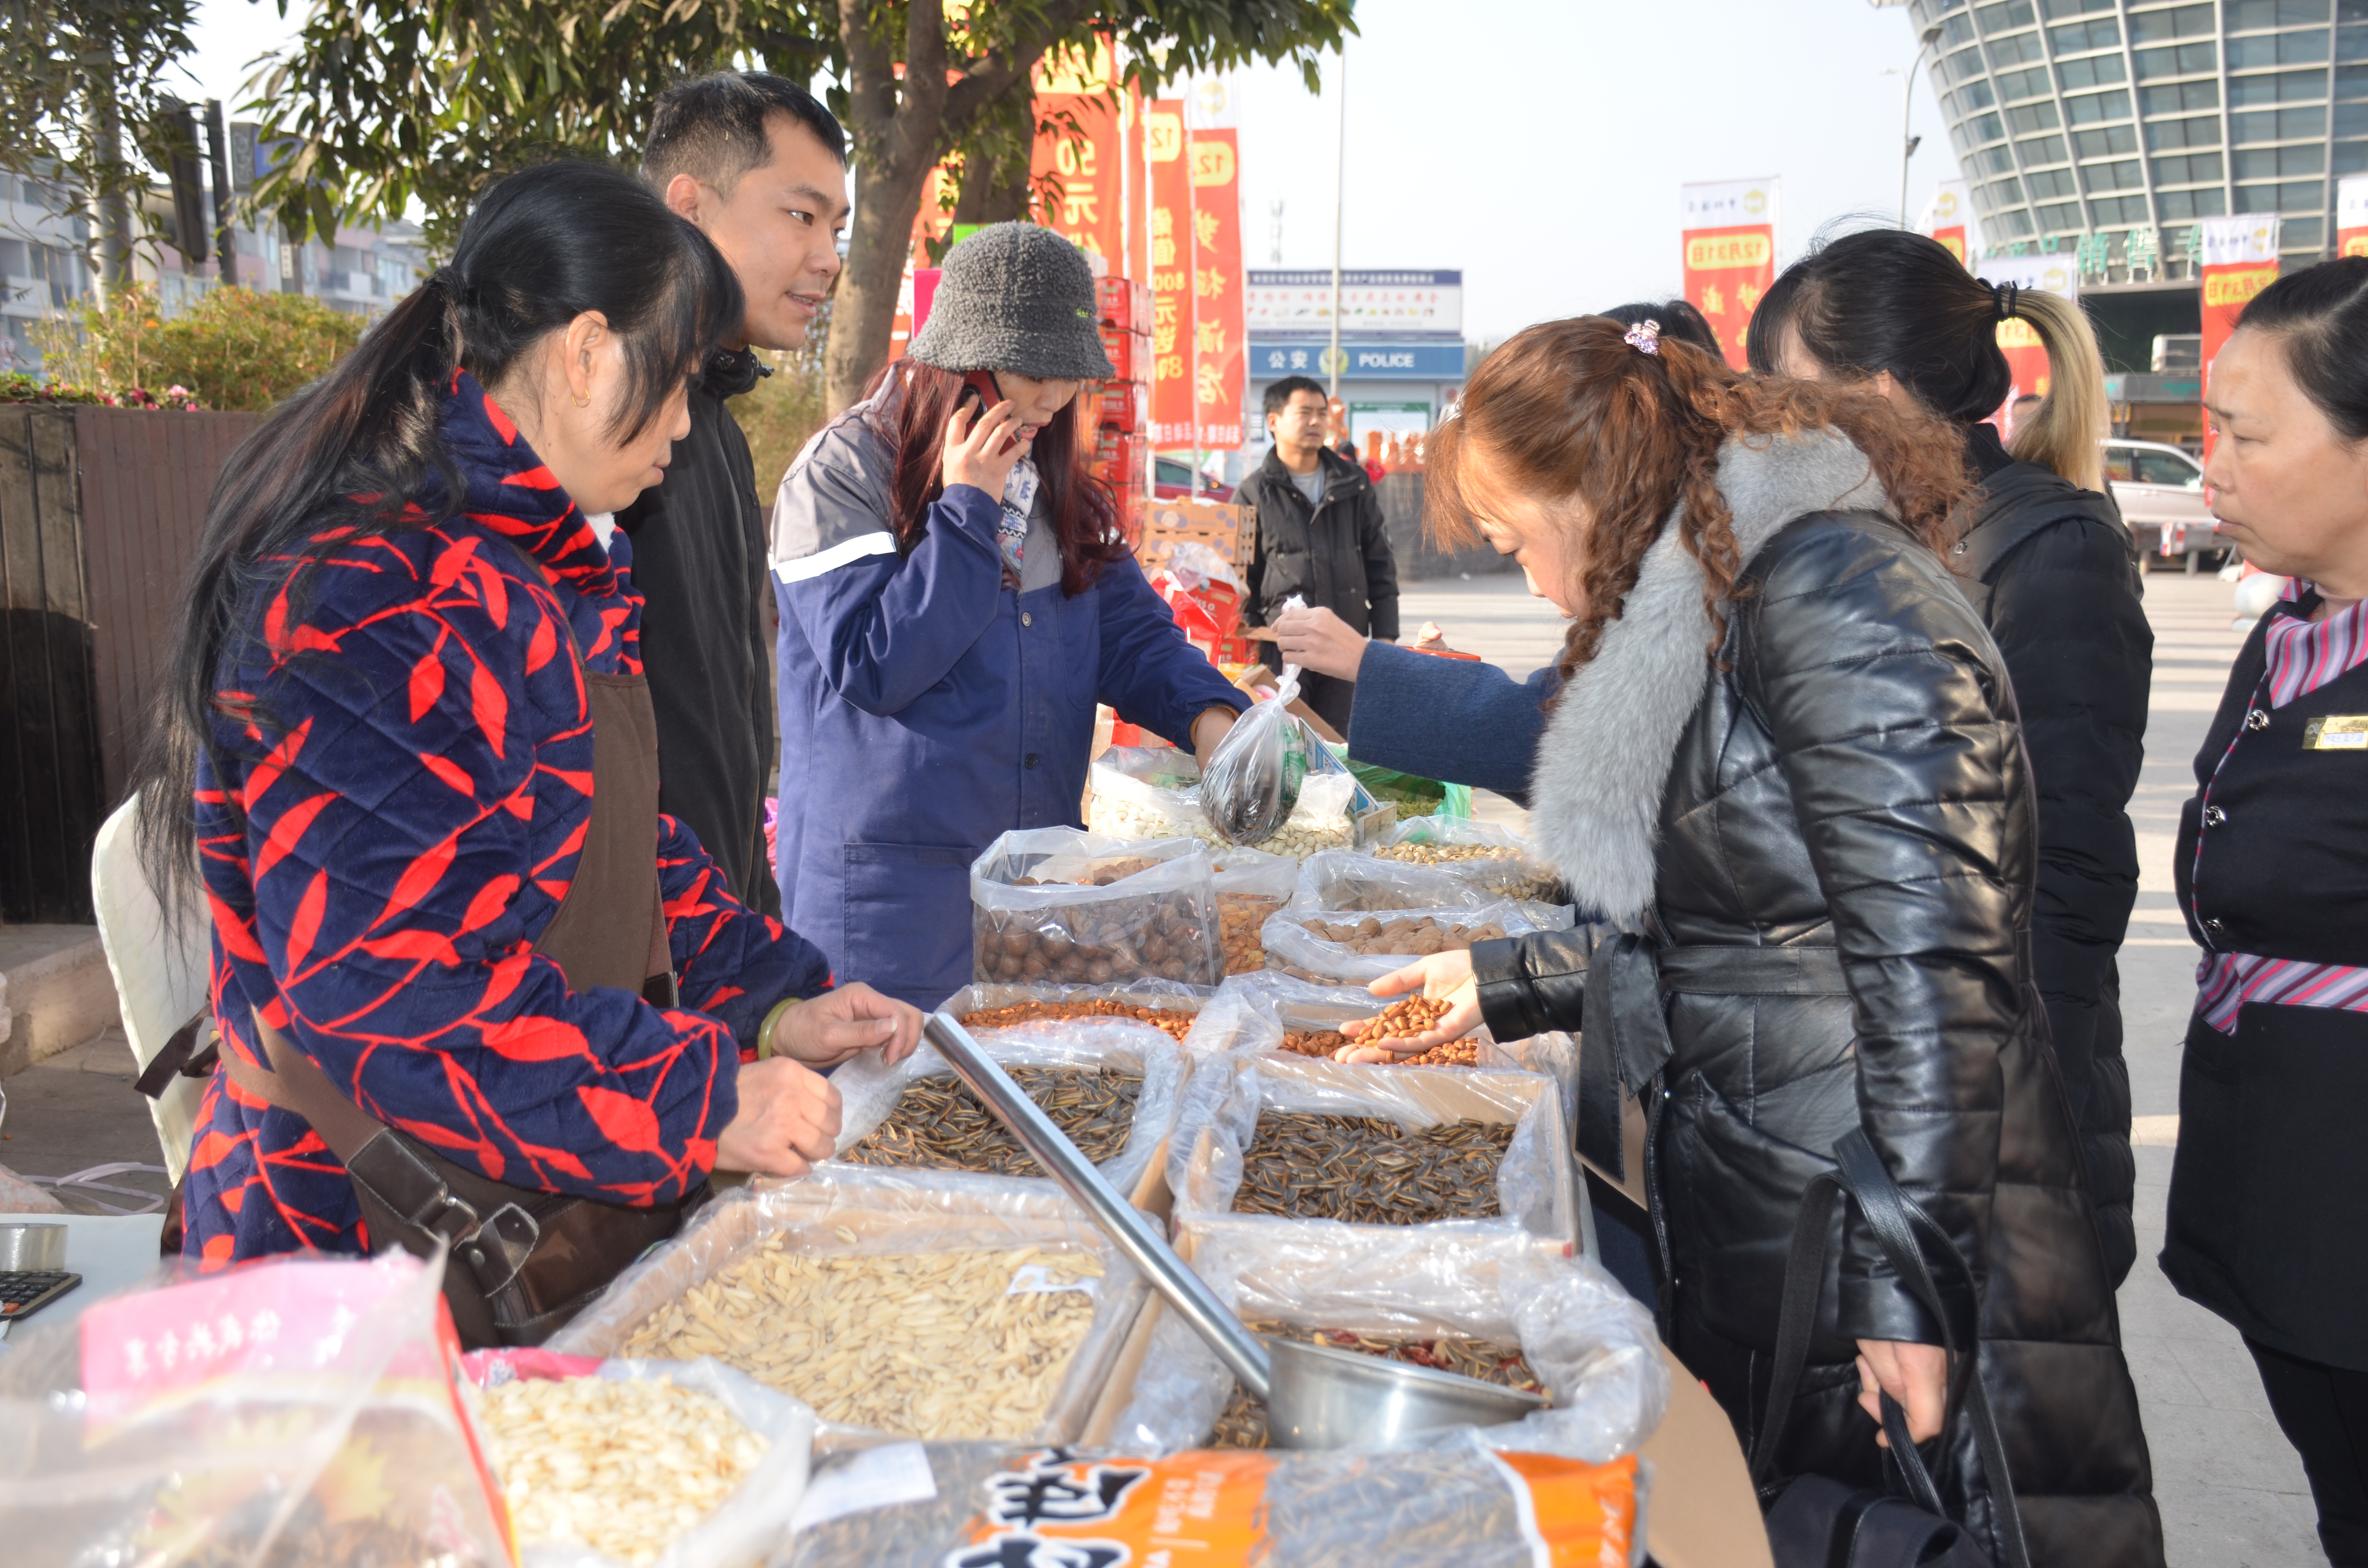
1130,353
1230,531
1125,303
1125,405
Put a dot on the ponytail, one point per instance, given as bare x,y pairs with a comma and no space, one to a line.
361,452
2068,433
1887,300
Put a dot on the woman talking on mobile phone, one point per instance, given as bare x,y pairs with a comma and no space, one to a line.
956,595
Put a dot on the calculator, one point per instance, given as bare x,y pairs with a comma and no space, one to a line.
24,1291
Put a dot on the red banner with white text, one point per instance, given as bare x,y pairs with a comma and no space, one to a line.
2241,260
1729,246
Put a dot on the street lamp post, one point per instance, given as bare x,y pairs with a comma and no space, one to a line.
1908,141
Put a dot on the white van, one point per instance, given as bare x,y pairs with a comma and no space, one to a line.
2161,491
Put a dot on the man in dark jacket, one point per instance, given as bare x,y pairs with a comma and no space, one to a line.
762,168
1320,535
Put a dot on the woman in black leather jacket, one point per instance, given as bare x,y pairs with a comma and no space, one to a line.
1785,764
2050,568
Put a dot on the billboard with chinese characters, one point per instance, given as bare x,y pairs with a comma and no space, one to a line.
1289,305
1948,216
1362,358
2351,215
2241,260
2051,274
1729,254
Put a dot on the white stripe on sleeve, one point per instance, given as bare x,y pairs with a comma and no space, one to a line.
843,552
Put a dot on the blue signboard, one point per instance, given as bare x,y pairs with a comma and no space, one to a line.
1365,360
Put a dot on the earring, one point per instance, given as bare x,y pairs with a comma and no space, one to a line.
583,401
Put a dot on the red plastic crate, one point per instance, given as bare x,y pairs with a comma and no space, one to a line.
1126,304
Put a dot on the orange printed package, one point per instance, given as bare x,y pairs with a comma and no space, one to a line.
1212,1509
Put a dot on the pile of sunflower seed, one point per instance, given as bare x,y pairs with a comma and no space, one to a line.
939,1125
1370,1171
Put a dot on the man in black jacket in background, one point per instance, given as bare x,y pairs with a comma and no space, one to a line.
762,168
1320,535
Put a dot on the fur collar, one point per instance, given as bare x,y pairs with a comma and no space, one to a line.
1604,760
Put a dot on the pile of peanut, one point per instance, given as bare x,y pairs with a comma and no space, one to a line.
931,1344
1240,917
621,1465
1403,937
1407,1018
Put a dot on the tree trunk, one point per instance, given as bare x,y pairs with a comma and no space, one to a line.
895,142
110,209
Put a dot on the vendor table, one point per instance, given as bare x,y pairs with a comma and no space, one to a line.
110,1250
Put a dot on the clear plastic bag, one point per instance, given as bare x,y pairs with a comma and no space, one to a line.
1589,1343
300,1412
1536,1186
1252,782
1141,792
751,1521
1488,857
846,1211
869,1092
1312,955
1252,886
1355,880
1053,903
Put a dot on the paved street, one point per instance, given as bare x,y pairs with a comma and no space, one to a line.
2231,1489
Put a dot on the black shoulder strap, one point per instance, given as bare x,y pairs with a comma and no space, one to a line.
2020,501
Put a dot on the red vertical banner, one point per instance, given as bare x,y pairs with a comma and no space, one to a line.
1945,220
1081,153
2241,260
1220,342
1729,242
1170,240
2351,215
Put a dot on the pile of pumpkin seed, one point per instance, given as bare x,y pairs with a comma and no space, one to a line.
939,1125
1242,1425
1370,1171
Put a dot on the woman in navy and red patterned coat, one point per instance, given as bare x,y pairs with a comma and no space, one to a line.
407,701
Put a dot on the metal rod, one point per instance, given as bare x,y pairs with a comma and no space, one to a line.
1333,360
1120,1220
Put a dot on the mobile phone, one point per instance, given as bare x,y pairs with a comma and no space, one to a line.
982,384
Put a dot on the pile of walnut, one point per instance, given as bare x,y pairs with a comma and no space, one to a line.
1174,1022
1158,936
1403,937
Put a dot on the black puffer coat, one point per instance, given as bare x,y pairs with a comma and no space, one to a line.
1850,789
2051,570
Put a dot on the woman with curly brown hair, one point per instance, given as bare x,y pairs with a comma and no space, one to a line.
1785,764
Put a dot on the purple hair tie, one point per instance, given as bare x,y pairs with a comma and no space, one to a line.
1644,335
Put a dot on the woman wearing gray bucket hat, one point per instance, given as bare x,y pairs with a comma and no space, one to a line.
956,595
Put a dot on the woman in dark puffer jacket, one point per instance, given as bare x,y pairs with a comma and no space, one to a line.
1785,762
2049,566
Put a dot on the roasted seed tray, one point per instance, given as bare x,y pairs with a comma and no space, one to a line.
1368,1170
939,1124
844,1211
1243,1425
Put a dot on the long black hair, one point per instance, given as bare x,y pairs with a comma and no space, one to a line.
1887,300
346,457
2320,315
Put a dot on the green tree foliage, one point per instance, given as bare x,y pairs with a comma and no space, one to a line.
80,85
394,99
233,348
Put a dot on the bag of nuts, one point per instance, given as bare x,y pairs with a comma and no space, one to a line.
1358,880
1147,792
1578,1335
1488,857
1350,947
1251,886
1053,903
1115,1049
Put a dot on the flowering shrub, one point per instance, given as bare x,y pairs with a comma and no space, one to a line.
232,348
16,387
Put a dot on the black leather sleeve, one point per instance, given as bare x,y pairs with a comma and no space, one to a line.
1533,985
1876,679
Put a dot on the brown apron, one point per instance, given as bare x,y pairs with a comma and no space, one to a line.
523,1261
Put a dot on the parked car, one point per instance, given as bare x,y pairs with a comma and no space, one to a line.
2161,491
1171,479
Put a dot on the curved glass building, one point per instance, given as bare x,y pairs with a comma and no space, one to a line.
2108,126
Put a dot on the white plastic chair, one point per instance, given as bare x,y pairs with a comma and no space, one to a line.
160,975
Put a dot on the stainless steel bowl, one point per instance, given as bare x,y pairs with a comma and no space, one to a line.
39,1247
1323,1397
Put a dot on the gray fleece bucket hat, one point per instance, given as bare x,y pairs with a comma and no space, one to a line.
1016,297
